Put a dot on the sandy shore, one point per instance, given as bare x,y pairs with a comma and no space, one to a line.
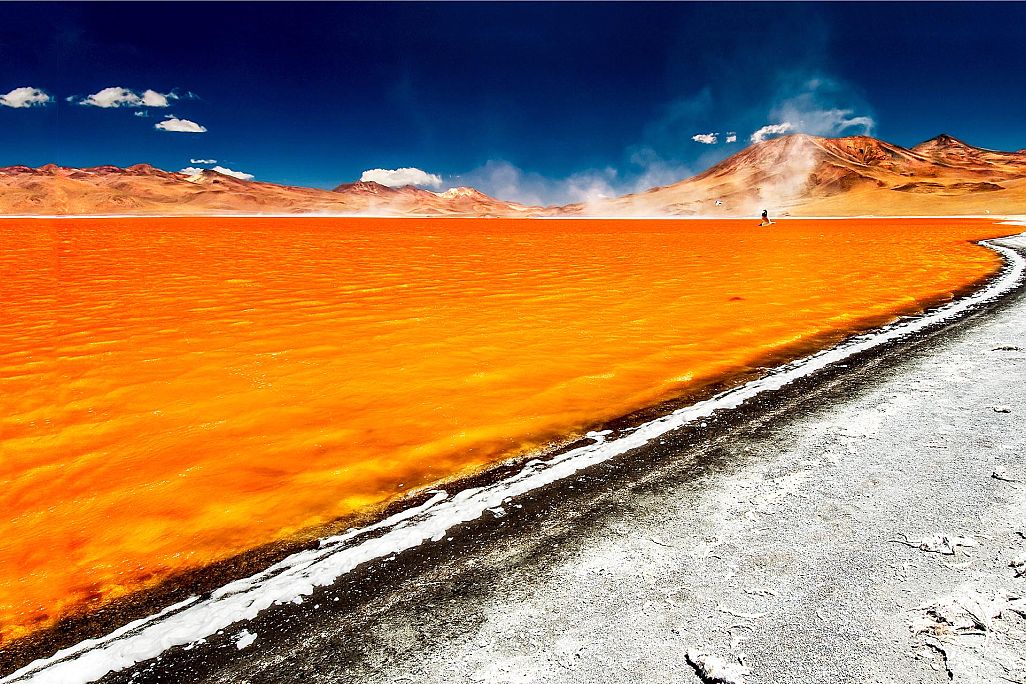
772,537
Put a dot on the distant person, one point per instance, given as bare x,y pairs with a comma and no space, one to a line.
765,219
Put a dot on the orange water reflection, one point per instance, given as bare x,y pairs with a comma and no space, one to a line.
175,391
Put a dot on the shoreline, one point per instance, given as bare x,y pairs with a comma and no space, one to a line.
818,363
997,218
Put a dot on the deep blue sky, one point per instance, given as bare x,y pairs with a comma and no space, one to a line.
544,101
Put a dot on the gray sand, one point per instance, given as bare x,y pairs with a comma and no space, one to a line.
784,558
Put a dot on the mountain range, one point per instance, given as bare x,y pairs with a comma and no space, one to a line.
797,175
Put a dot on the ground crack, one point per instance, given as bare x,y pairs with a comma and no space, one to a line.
944,657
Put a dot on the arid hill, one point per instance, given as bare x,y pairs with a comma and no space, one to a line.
804,175
797,175
409,200
143,189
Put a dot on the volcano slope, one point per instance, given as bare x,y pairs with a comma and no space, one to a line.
805,175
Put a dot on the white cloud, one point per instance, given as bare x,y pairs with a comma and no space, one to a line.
25,97
195,171
823,106
117,96
142,113
395,178
114,96
151,98
234,174
705,138
202,161
731,137
771,129
176,125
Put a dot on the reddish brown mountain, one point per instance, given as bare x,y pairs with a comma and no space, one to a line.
945,149
409,200
144,189
857,175
797,175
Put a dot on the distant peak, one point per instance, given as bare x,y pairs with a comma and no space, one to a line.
462,191
145,170
371,187
105,168
943,139
19,169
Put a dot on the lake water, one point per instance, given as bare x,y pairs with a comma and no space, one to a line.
176,391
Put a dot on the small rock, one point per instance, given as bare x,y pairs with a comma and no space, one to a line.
1019,565
715,670
1001,473
966,611
1002,409
938,543
244,638
743,616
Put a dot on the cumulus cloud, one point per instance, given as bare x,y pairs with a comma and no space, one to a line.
195,171
117,96
771,129
731,137
705,138
823,106
234,174
202,161
25,97
395,178
151,98
142,113
176,125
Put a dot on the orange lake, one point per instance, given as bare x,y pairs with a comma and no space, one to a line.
175,391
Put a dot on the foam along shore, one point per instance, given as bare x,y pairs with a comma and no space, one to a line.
191,622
